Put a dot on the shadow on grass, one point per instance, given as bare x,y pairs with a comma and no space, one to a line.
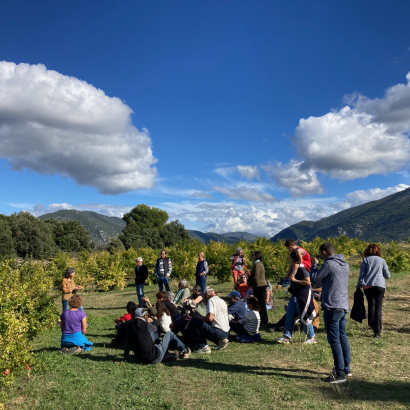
105,308
369,391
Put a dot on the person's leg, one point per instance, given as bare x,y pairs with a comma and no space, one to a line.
166,283
260,295
237,328
378,306
195,326
308,329
141,295
160,284
291,312
173,342
345,343
235,275
203,284
65,305
332,320
370,304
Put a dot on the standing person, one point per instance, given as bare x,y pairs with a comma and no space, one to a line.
141,275
373,273
259,283
201,271
214,326
69,288
162,271
300,304
238,263
334,277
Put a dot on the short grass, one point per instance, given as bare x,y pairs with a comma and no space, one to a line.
257,376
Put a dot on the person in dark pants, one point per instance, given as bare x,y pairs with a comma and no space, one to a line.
162,271
373,273
258,283
334,277
141,275
201,272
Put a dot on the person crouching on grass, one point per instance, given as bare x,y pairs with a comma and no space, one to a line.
301,303
247,328
121,330
73,327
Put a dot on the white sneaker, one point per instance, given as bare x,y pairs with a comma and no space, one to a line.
222,344
202,350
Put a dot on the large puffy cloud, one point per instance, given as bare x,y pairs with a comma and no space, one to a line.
368,138
55,124
363,196
298,181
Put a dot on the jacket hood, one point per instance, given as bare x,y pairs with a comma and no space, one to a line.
339,259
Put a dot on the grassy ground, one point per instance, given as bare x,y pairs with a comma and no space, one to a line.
253,376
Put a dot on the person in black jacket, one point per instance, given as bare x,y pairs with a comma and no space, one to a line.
145,345
141,275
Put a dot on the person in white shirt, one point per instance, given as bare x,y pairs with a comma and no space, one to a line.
214,326
247,328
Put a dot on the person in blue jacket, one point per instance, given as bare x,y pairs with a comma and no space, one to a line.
201,271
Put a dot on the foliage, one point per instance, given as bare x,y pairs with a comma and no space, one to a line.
69,236
6,238
27,308
147,227
31,236
114,245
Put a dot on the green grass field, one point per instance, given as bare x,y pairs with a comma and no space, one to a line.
257,376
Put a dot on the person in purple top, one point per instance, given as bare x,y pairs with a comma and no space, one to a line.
73,327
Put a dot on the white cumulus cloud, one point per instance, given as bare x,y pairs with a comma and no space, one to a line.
248,171
242,193
363,196
293,177
59,125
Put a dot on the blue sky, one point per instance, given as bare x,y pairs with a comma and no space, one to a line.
231,115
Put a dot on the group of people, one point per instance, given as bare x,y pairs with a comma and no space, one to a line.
188,319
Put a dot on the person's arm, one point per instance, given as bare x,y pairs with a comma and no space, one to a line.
299,254
117,321
290,268
232,257
303,282
156,269
209,312
208,318
169,268
267,295
65,288
361,275
198,299
205,268
386,272
316,274
84,325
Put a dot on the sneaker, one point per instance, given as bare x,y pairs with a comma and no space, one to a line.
222,344
186,353
63,350
73,350
169,357
333,378
282,340
310,341
349,374
203,350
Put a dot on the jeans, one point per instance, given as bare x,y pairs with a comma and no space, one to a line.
260,295
202,332
140,293
201,281
238,329
374,296
66,307
293,310
163,280
168,341
335,325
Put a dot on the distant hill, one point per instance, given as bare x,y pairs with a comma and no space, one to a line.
100,227
383,220
230,237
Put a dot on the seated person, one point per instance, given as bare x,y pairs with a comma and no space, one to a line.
188,313
237,307
269,296
164,317
242,284
182,292
198,297
214,326
73,325
153,318
247,328
164,298
147,348
120,339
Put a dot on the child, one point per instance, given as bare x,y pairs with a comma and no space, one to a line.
303,260
164,317
247,328
120,339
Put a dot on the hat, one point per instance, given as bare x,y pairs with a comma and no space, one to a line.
152,311
235,294
140,312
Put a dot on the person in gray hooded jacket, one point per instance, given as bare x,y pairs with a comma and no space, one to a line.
334,277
